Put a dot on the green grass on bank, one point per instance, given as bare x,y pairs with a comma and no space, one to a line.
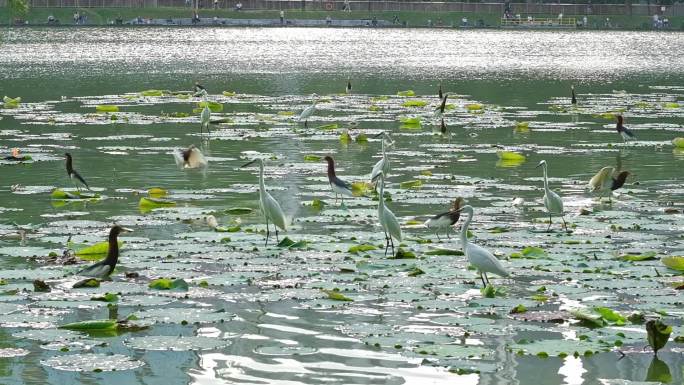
102,16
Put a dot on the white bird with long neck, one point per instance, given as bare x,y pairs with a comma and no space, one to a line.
552,201
388,221
481,258
205,116
270,208
383,165
308,111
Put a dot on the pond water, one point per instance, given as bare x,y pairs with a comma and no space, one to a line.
265,314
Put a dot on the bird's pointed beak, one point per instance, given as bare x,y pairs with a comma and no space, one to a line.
248,163
539,165
126,230
378,135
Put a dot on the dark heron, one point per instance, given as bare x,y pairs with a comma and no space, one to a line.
73,174
105,267
447,219
339,186
625,133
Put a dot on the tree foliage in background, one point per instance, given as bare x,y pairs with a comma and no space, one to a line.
18,8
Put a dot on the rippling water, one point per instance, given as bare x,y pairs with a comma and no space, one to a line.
279,328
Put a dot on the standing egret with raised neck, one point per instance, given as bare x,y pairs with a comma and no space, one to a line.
383,165
73,174
338,186
270,208
105,267
205,116
308,111
552,201
481,258
388,221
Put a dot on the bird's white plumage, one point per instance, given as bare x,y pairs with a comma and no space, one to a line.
269,206
386,217
438,223
479,257
205,116
552,201
383,165
341,190
309,111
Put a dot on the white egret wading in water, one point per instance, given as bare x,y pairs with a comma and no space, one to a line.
388,221
481,258
308,111
269,206
552,201
338,186
73,174
383,165
104,268
205,116
444,221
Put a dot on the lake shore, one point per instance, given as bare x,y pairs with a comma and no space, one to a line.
298,18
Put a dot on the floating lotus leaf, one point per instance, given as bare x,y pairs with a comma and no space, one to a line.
106,108
404,93
678,142
674,263
92,362
176,343
414,103
213,106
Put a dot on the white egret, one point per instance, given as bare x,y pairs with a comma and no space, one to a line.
552,201
270,208
73,174
624,132
388,221
205,116
105,267
338,186
446,219
192,157
383,165
605,181
308,111
481,258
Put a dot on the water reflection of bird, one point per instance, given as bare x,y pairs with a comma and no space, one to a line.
442,127
338,186
308,111
270,208
192,157
574,99
606,181
439,111
383,165
105,267
552,201
481,258
388,221
624,132
73,174
446,219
